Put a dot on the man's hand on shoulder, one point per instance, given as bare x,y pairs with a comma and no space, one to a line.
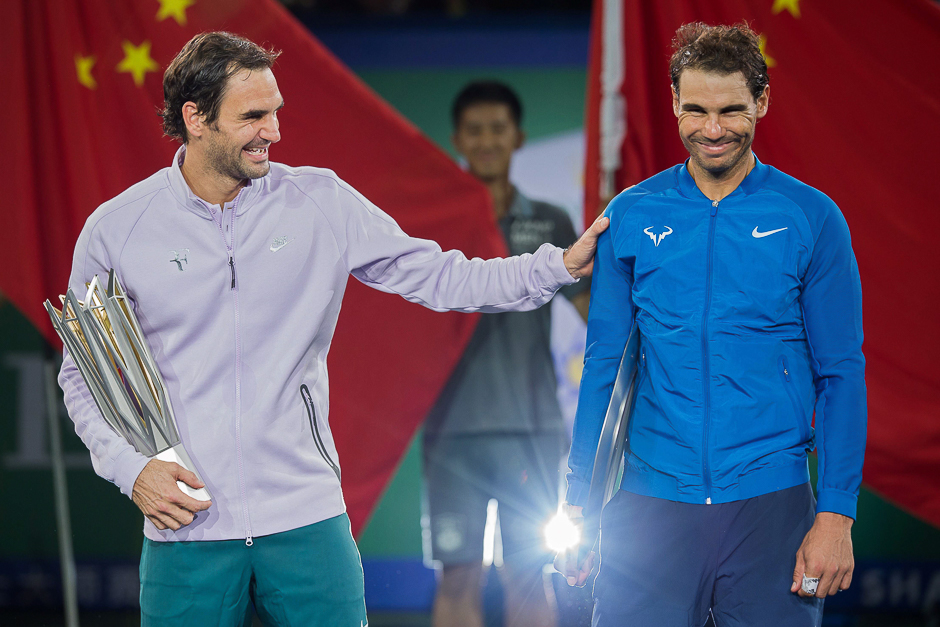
826,554
579,257
161,500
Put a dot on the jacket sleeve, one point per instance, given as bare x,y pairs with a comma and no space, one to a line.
112,456
610,318
832,314
378,253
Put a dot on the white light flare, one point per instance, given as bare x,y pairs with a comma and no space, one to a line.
561,534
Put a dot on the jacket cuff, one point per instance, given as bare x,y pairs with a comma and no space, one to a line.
838,502
127,467
577,492
556,265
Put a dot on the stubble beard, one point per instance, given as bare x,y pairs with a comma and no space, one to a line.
726,168
227,161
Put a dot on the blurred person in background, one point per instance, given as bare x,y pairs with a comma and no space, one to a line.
496,431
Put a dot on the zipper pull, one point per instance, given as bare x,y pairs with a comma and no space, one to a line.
231,264
714,211
249,541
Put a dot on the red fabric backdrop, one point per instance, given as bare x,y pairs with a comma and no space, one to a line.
855,99
84,80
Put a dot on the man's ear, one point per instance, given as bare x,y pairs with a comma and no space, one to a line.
520,141
194,121
763,103
675,101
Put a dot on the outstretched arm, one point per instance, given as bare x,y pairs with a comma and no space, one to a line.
377,252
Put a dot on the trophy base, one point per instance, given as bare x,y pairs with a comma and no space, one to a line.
178,455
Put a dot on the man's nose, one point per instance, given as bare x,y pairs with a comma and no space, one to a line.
271,131
713,128
488,139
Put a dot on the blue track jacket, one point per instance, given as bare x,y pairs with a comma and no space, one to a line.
750,314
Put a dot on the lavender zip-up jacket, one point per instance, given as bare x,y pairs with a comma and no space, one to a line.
239,309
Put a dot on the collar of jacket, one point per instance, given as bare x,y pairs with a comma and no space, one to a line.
521,206
180,189
751,183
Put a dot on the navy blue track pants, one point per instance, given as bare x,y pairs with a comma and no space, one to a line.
667,564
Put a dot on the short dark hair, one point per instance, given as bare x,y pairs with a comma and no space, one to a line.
722,49
487,91
200,73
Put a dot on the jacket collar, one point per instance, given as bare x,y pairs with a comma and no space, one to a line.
180,189
751,183
521,206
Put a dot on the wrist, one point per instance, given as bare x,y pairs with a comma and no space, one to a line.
834,519
572,511
565,259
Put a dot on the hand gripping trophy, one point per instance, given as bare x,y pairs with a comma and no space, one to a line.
104,338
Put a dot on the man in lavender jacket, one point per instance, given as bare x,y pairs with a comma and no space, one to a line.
236,267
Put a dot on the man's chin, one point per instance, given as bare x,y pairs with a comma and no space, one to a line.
488,172
261,171
255,170
717,167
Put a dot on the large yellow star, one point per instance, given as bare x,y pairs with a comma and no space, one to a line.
769,60
137,61
175,9
793,6
83,67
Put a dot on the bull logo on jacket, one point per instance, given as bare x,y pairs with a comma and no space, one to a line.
657,237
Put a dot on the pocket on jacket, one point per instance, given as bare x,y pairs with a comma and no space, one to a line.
315,430
799,414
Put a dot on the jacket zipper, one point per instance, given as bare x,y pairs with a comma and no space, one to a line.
315,430
230,249
706,377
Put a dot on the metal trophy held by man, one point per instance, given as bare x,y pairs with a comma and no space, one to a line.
104,338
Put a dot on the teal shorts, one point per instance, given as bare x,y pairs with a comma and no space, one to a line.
306,576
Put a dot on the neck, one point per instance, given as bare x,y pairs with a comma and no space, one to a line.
717,187
205,182
501,192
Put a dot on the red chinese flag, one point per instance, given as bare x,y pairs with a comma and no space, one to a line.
84,84
854,99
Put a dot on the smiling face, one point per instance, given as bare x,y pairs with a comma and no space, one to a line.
486,136
717,117
236,144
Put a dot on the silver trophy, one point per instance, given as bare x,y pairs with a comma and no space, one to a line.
608,460
104,339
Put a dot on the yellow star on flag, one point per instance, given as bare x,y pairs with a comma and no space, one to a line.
793,6
83,67
763,51
137,61
175,9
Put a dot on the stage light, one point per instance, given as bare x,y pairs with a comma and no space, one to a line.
561,534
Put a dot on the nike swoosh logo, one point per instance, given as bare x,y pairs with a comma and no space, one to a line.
274,248
758,234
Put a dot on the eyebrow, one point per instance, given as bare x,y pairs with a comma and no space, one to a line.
259,113
728,109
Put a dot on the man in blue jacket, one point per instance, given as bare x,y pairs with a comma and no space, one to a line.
746,291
